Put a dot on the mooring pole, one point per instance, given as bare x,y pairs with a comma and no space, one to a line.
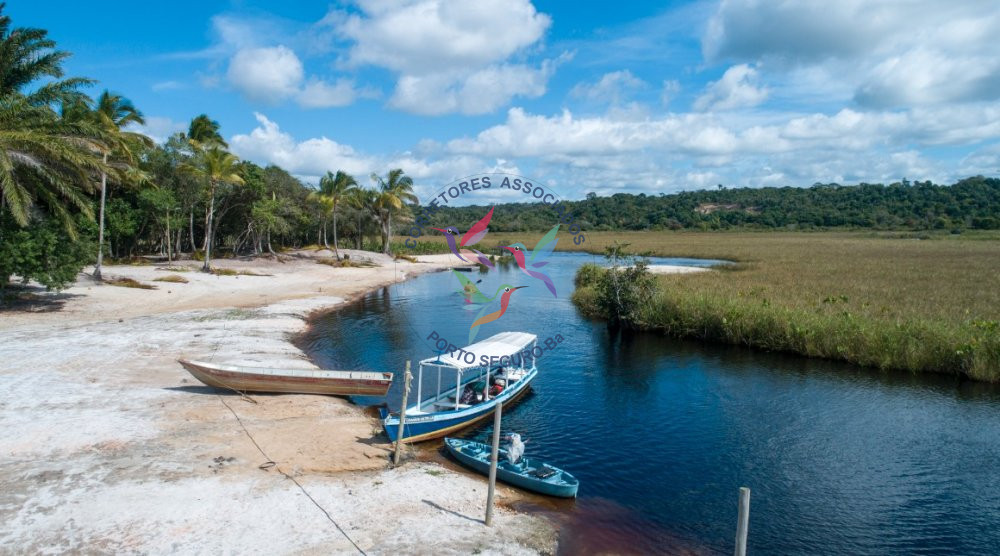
402,415
493,463
742,522
170,257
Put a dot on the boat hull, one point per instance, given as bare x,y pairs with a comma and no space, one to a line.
418,428
246,379
476,456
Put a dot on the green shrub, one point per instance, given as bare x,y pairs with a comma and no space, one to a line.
588,274
43,251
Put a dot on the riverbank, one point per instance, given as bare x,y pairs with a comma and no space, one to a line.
889,301
112,446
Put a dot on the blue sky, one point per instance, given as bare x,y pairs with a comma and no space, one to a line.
630,96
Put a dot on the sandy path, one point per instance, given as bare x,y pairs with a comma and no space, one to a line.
109,445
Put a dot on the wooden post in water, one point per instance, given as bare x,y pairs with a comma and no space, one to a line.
402,415
493,464
742,522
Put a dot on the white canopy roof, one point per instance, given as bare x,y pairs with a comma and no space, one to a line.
499,345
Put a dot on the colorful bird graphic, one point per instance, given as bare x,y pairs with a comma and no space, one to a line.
527,261
469,290
503,292
475,234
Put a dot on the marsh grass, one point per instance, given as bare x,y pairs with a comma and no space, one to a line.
345,263
129,283
172,278
879,300
234,272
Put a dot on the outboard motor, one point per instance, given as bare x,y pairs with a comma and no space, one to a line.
516,449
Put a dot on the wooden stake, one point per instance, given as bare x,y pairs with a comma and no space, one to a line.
742,522
170,257
493,463
402,414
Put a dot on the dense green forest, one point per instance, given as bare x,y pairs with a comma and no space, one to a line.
973,203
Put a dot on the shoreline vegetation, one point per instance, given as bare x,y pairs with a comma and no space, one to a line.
877,300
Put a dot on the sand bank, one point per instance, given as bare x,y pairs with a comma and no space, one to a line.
676,269
109,445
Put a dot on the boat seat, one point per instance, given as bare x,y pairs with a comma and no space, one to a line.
544,472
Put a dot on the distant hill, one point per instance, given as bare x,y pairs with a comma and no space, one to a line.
972,203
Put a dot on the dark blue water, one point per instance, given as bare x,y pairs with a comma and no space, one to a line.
662,433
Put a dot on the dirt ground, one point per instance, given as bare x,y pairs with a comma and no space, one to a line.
109,445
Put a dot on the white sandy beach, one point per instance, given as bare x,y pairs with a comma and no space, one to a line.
110,446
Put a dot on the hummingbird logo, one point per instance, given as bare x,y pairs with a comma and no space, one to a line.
469,290
476,299
475,234
528,261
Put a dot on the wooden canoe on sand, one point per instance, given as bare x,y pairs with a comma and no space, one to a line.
289,381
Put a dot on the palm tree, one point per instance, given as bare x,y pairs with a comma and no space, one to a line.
362,200
217,167
393,192
112,113
325,205
27,55
335,189
45,161
204,132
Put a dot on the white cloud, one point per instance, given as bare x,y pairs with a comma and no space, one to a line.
892,53
313,157
929,76
270,74
846,145
479,92
319,94
670,89
275,74
984,161
612,87
167,86
424,36
449,56
268,144
736,89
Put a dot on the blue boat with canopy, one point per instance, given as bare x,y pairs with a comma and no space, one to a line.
462,387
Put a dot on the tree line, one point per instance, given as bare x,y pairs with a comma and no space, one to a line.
78,183
972,203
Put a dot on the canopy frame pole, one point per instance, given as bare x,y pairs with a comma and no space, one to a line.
420,383
458,384
437,397
420,379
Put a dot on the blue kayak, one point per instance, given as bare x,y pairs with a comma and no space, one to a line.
528,473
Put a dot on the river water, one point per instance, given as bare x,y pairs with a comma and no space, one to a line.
662,432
